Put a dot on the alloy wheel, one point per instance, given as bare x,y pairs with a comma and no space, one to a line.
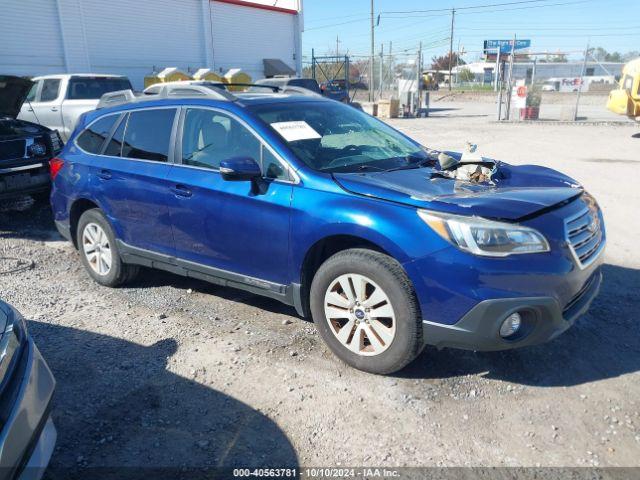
360,314
97,249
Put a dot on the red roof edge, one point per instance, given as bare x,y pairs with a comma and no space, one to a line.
244,3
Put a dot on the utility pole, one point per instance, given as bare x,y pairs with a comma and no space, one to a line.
510,84
453,19
419,77
372,56
584,68
337,45
381,70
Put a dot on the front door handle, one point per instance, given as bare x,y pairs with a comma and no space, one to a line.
181,191
105,174
54,109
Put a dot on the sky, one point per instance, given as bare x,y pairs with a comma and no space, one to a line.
551,25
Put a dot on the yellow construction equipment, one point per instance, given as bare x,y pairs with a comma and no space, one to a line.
626,99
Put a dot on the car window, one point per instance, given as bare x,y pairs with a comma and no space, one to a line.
308,83
92,139
628,83
114,147
148,134
31,96
92,88
272,167
50,89
209,137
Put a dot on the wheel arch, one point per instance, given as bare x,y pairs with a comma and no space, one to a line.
78,207
324,248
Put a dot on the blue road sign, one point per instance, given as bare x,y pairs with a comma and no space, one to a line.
505,46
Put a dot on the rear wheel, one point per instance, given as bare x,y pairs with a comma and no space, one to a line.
365,309
99,252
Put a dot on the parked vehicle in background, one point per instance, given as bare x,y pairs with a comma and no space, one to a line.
573,84
386,244
56,101
626,99
27,435
25,147
335,90
283,82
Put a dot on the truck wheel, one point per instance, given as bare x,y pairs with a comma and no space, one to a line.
365,309
99,252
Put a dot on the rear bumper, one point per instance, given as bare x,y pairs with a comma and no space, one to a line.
24,182
543,320
28,437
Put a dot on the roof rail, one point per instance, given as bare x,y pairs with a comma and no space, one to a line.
122,97
119,97
191,90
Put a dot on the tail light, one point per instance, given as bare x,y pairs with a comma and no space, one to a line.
55,165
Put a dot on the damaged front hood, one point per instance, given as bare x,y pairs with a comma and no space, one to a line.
13,93
513,193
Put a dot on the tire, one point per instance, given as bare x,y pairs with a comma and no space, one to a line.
396,333
93,225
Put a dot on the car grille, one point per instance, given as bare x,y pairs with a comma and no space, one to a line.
585,234
12,149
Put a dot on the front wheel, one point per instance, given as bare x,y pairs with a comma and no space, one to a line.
365,309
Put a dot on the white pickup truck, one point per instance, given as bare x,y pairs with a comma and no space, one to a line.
56,101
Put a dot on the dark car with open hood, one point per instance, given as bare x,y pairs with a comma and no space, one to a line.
25,147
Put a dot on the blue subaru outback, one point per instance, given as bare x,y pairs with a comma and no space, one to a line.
386,244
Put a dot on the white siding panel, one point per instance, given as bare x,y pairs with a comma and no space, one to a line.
30,44
243,37
131,38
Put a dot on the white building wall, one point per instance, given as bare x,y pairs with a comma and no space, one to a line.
130,38
29,43
244,36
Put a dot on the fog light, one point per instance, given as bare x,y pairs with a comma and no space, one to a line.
511,325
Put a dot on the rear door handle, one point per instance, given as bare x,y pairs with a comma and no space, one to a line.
29,109
54,109
181,191
104,174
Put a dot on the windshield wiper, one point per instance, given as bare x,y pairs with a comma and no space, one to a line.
420,162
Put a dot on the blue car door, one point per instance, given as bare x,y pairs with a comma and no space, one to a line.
131,183
230,226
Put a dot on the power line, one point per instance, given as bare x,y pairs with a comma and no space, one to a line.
469,7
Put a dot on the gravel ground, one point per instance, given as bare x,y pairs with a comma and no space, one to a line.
175,372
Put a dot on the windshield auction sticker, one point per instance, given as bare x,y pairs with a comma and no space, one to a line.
294,131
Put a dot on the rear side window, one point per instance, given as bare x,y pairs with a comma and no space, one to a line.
92,139
92,88
148,134
50,89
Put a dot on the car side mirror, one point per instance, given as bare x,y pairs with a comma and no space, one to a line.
240,169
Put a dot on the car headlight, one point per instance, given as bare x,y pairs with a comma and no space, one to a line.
485,237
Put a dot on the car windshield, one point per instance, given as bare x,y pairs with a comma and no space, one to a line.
332,137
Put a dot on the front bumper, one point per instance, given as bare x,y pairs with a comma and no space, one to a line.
543,320
28,436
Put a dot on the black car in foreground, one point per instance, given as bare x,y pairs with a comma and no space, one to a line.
25,147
